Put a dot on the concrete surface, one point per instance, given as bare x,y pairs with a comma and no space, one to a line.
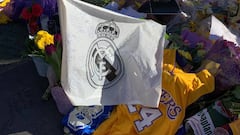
23,112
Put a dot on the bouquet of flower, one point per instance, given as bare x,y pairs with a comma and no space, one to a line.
43,44
49,48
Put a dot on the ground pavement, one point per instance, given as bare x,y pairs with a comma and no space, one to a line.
23,112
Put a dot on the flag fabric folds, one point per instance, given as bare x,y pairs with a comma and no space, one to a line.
109,58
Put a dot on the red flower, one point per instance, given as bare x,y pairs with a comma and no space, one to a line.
37,10
26,14
34,11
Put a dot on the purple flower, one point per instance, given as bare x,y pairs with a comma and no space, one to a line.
226,53
49,7
193,39
219,51
50,49
228,76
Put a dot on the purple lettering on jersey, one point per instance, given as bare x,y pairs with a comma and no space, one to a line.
165,97
173,111
172,108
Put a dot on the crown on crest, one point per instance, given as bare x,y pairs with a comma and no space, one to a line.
107,29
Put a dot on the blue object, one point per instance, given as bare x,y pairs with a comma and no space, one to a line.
83,120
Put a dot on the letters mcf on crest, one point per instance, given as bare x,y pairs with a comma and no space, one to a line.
104,63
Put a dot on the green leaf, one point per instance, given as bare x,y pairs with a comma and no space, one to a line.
167,36
55,61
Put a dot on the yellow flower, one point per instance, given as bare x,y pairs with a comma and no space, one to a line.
42,32
3,18
49,39
4,3
41,44
43,38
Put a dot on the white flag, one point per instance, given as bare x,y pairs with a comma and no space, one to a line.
109,58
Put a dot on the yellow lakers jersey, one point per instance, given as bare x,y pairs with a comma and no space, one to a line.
180,89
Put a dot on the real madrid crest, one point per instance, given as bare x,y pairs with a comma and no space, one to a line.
104,63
